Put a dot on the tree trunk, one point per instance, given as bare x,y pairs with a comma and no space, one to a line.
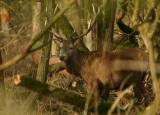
36,29
4,17
2,87
43,65
105,24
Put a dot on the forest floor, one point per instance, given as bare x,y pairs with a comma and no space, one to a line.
15,97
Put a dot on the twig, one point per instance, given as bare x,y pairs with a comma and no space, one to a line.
126,91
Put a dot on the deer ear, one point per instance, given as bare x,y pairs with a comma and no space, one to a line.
76,42
57,42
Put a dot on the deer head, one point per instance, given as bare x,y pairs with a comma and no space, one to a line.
68,48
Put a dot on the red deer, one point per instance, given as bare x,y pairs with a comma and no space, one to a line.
96,69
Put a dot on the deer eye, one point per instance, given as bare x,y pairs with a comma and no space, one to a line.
70,47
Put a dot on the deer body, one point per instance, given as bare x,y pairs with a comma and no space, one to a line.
96,69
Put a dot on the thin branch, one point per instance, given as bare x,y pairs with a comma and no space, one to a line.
39,47
58,37
126,91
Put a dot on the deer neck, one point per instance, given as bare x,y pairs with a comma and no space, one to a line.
74,63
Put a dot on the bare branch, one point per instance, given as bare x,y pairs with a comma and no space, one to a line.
59,38
126,91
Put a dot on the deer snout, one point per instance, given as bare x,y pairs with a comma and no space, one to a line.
62,57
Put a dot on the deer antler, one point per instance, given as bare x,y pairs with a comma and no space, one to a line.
61,39
58,36
90,25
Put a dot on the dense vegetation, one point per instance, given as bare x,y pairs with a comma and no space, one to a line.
34,81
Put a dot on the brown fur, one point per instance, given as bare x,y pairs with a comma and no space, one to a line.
96,69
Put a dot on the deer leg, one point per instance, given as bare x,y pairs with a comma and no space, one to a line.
139,92
88,99
149,94
103,90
